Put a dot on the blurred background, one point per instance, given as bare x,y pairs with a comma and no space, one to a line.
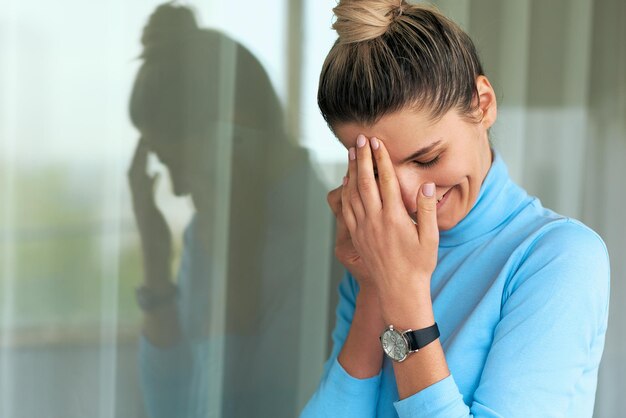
165,244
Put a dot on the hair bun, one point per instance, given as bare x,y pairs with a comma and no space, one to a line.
362,20
168,26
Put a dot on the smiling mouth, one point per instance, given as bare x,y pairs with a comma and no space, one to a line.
444,195
439,200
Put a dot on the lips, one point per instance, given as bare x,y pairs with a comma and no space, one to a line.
440,203
443,198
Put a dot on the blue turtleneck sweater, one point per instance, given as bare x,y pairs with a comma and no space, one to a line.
521,298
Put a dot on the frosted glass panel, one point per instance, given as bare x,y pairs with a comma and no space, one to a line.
163,238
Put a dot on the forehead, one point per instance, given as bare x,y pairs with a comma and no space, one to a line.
403,132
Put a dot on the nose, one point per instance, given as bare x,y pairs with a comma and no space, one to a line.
410,184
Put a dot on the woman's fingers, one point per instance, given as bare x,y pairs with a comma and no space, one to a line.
352,196
137,172
140,157
343,234
427,229
366,179
387,180
334,200
346,207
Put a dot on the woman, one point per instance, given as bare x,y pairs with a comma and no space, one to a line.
197,88
505,301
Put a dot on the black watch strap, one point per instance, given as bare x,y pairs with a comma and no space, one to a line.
422,337
149,298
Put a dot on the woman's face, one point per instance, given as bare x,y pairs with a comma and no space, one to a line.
452,152
171,153
186,159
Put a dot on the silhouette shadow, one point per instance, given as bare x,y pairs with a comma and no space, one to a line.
198,98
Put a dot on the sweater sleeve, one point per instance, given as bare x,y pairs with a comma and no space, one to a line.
340,395
166,376
547,346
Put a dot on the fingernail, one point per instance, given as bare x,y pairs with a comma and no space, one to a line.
428,189
352,153
345,180
360,141
375,143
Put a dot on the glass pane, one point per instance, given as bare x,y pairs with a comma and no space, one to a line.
164,238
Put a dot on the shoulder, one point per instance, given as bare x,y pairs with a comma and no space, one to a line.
561,239
543,235
563,262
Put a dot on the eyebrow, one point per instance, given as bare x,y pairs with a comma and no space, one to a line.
422,151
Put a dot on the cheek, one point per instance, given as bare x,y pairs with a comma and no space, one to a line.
450,175
409,186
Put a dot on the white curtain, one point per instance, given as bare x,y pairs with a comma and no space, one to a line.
559,69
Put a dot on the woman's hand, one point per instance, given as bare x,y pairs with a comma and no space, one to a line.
156,238
398,255
344,249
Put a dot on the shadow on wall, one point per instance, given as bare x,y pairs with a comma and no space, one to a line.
204,105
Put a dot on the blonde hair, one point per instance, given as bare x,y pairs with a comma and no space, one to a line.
392,55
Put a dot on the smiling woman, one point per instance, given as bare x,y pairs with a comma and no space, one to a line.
451,152
463,296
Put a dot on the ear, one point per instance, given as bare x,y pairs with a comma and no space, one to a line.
486,101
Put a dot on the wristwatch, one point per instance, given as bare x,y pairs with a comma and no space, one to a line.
149,298
397,345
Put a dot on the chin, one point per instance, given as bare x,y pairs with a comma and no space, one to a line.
445,225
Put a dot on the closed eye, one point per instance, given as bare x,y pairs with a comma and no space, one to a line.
427,164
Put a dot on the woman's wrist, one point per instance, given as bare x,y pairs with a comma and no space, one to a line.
361,356
367,293
409,308
157,271
368,305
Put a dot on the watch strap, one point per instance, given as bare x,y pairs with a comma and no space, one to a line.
149,298
420,338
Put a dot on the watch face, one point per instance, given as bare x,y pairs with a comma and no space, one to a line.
394,344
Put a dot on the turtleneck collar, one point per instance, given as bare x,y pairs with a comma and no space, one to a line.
499,197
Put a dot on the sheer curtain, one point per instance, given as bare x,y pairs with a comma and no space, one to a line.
560,70
251,243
